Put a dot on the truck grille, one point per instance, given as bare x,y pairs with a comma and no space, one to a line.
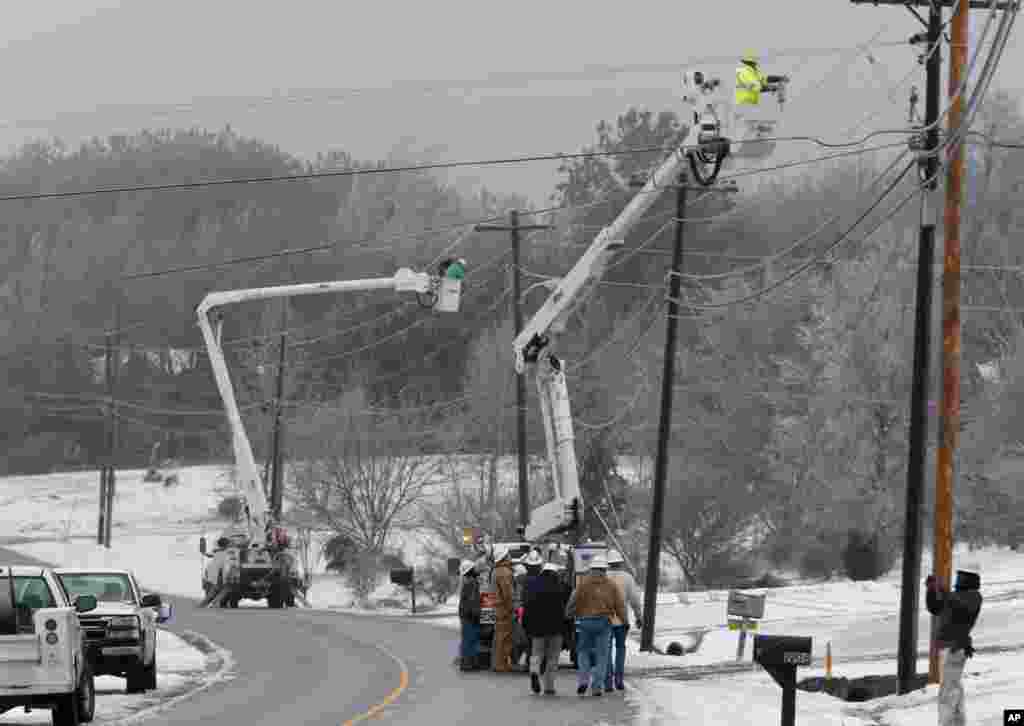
94,627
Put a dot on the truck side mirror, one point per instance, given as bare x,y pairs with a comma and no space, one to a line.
164,613
202,545
453,566
150,601
85,603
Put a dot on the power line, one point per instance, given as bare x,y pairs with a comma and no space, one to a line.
819,257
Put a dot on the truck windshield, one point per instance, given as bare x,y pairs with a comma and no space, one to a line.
106,586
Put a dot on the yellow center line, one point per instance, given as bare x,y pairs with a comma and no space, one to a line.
403,683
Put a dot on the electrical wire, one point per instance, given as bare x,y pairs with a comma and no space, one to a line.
824,253
775,257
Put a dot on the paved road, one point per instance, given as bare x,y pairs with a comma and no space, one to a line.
312,668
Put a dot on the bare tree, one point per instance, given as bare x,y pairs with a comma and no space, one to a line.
348,476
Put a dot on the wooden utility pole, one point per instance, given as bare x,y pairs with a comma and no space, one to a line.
950,419
107,474
108,372
929,168
277,471
517,308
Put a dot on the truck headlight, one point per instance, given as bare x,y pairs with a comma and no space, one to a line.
51,638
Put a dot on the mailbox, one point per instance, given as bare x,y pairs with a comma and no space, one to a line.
782,650
402,576
780,655
745,605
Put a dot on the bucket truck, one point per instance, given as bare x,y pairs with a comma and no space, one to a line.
714,136
255,561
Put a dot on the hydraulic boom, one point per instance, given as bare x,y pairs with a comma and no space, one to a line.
707,149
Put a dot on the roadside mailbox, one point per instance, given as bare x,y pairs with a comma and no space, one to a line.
403,577
780,655
744,610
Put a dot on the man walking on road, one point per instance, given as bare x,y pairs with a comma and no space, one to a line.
957,612
504,612
544,618
469,616
631,595
594,603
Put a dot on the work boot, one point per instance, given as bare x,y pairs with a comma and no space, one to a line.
535,682
581,689
597,691
620,684
550,692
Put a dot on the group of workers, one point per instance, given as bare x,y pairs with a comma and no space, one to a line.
542,601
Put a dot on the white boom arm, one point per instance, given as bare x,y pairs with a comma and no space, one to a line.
257,510
703,100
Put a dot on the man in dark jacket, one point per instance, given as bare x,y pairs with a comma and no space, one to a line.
544,619
469,616
957,612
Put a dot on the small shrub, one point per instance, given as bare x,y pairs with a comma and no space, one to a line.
726,570
819,560
436,583
231,507
768,581
864,557
338,551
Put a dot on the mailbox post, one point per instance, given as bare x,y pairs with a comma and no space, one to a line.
780,655
744,610
404,578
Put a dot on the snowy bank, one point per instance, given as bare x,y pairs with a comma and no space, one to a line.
181,668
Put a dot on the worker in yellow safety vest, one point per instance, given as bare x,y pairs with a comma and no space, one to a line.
750,81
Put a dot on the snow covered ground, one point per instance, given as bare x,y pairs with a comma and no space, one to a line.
181,668
859,620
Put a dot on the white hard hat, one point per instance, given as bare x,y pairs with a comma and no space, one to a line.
598,562
466,566
500,552
614,557
519,569
534,558
550,567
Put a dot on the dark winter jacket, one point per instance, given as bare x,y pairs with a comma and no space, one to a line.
469,600
545,606
957,612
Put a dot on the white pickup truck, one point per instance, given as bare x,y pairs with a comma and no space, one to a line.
120,632
42,649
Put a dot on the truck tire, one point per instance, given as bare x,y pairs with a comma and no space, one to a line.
142,679
87,696
65,713
275,598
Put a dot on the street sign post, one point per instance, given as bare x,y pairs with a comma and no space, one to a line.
745,610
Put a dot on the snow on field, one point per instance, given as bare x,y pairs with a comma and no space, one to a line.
62,505
180,668
155,524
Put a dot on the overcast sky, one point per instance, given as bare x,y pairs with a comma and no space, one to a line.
66,65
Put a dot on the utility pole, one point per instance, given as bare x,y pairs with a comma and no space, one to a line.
108,477
950,418
664,424
517,307
910,591
277,471
108,372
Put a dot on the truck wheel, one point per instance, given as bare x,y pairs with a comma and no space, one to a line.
275,598
87,697
66,711
142,678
